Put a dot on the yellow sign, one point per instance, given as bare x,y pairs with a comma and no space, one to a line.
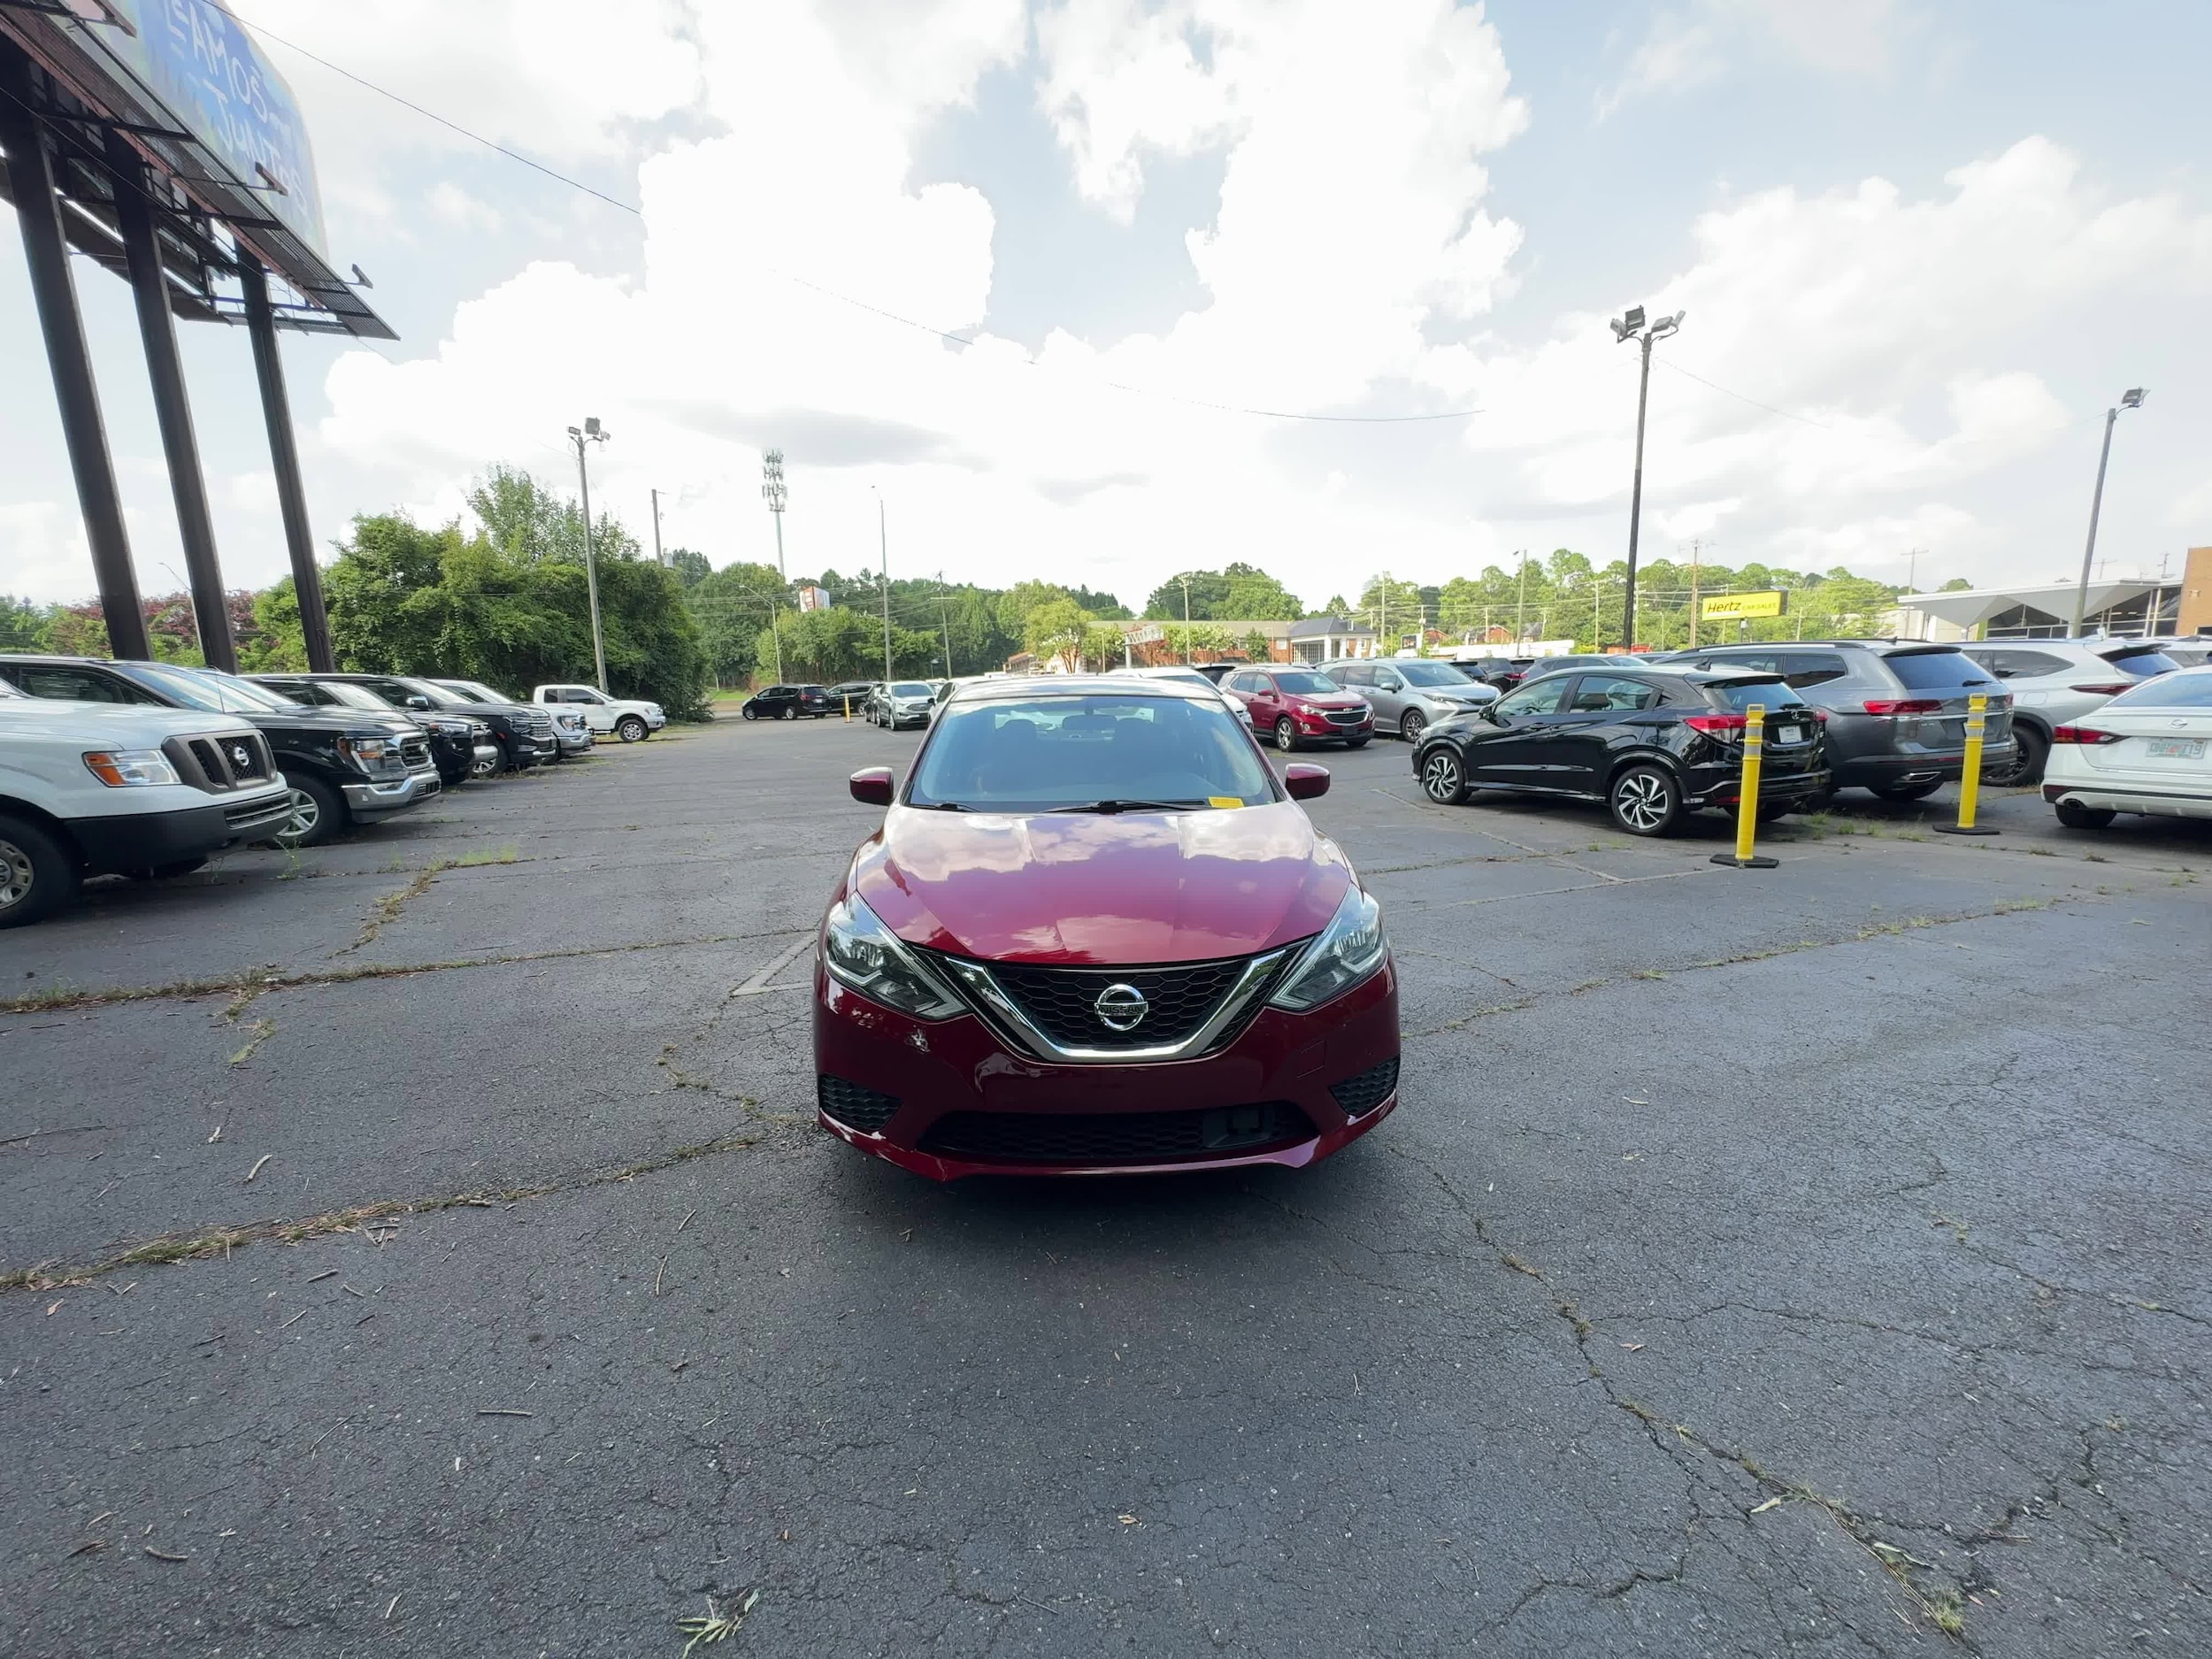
1729,607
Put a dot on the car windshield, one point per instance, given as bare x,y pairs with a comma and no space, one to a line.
1048,754
2191,688
469,691
909,688
249,695
1937,671
1740,695
193,690
438,695
354,696
1306,685
1430,674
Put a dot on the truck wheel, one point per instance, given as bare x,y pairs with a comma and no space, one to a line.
37,877
319,812
631,729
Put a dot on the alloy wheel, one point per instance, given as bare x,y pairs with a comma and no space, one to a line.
307,812
1643,801
788,712
630,729
1441,779
17,875
1285,736
1411,726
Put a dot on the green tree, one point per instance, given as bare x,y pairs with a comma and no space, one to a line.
1209,591
1255,597
732,607
21,623
691,568
1055,624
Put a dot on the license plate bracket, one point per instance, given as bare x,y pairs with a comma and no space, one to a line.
2174,748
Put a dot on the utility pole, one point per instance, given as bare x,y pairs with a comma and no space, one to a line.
883,545
1631,326
1696,548
2132,398
1185,581
773,491
591,432
1520,605
658,557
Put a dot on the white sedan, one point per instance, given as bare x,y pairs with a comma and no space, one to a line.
1191,676
2148,750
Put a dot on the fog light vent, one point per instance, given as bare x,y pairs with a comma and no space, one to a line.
1361,1095
854,1107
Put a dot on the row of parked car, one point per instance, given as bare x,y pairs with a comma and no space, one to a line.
145,769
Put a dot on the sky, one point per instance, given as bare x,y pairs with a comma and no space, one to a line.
1919,249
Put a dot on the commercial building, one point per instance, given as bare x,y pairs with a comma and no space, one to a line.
2044,610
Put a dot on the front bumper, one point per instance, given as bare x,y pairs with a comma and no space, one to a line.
1317,728
140,841
371,801
577,742
1284,1063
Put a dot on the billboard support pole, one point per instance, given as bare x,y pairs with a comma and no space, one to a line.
172,408
38,212
276,410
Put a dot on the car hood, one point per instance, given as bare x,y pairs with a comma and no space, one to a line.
1102,888
315,722
1324,700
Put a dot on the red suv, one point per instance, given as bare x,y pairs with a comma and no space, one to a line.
1096,934
1298,706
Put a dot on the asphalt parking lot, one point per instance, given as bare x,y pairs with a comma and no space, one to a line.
422,1245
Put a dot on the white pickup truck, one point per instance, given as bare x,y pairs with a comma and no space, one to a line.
107,788
628,719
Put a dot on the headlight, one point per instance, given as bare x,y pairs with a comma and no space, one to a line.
121,768
371,754
861,952
479,732
1349,949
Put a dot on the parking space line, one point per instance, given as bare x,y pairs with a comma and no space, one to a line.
1544,893
759,982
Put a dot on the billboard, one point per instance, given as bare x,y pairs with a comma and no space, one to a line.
1742,607
200,63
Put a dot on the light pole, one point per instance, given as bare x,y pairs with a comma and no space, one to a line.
1185,581
1631,326
883,547
591,432
2132,398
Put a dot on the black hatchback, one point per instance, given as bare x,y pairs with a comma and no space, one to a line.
1654,744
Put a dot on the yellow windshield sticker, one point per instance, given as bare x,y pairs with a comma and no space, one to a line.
1223,799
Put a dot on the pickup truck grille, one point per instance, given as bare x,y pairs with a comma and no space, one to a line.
536,723
221,760
415,751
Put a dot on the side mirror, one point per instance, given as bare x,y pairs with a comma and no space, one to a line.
419,701
1305,781
872,786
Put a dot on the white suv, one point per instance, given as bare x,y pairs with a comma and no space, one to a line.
108,788
628,719
2054,683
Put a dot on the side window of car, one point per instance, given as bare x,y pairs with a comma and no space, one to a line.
1541,698
1601,693
2032,665
1385,678
1354,675
81,685
1801,669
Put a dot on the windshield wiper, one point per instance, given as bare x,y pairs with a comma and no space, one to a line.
1130,806
939,806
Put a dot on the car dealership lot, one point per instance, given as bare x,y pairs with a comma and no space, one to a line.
1758,1261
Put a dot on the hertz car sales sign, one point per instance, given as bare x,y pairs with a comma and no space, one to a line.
1733,607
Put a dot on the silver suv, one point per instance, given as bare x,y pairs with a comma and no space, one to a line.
1409,694
2054,683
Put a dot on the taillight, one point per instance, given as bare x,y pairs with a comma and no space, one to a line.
2085,734
2103,691
1903,705
1821,715
1715,725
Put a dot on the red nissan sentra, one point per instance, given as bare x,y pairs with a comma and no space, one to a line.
1097,935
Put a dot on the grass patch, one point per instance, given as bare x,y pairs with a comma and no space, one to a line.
507,855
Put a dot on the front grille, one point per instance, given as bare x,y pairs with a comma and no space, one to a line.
1361,1095
1062,1002
414,751
854,1107
253,815
1345,717
537,722
219,764
1111,1138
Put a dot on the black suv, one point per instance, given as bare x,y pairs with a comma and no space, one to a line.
523,732
1896,709
788,702
1652,743
345,766
454,738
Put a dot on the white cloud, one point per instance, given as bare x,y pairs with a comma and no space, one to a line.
1695,45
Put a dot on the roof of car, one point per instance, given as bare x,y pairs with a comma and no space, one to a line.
1075,686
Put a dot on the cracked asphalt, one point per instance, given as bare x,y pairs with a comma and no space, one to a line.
422,1245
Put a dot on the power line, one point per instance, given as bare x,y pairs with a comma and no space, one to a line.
1741,398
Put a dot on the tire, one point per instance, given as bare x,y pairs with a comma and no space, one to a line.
1355,742
490,767
749,712
2032,749
37,877
1411,726
1443,777
1646,800
319,812
1774,811
2072,814
1286,735
1905,791
789,711
631,729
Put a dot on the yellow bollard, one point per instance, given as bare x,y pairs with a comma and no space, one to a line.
848,708
1971,779
1748,796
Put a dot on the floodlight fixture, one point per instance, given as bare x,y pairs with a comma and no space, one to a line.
2132,398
